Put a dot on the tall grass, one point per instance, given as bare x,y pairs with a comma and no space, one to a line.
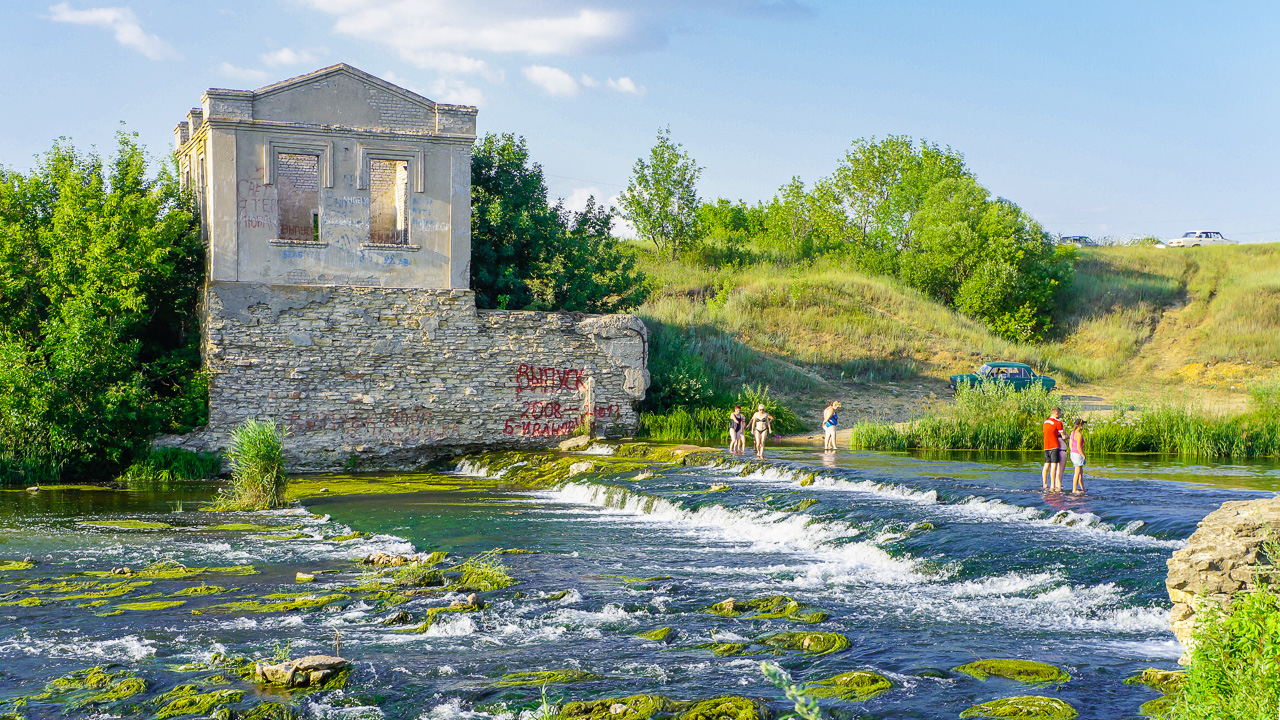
258,478
163,468
710,424
25,472
993,417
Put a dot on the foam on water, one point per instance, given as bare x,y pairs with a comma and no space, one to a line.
753,531
129,648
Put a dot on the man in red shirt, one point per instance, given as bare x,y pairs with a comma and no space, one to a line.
1052,460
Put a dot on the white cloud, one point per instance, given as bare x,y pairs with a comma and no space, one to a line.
445,90
123,23
627,85
588,81
553,81
288,56
577,200
444,34
248,75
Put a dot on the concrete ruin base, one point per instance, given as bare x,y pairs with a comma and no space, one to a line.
395,378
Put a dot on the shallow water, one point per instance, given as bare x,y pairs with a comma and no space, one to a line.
924,564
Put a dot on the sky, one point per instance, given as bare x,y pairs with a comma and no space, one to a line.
1107,118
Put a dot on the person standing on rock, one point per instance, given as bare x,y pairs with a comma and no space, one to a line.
737,431
1052,472
1076,444
761,426
830,418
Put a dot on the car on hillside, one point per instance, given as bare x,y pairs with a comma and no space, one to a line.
1196,238
1080,240
1018,375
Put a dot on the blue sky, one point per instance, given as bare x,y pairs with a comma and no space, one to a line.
1099,118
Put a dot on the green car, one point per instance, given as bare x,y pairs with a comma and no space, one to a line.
1016,374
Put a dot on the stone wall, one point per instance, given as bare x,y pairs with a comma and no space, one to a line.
1218,561
397,377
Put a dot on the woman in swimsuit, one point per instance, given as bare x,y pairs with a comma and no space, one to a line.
737,431
829,420
1077,455
761,426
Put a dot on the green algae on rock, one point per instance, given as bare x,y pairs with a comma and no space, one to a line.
1026,707
720,649
172,570
538,678
1168,682
659,635
306,601
766,608
24,602
319,486
269,711
125,524
199,590
1024,671
1157,708
244,527
13,565
475,605
634,707
677,454
188,700
354,535
728,707
92,686
153,605
109,590
815,643
855,685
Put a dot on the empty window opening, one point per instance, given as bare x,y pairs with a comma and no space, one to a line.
298,196
388,197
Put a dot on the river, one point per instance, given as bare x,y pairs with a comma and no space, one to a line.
922,564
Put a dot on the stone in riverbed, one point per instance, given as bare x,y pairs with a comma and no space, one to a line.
309,671
855,685
1025,707
1024,671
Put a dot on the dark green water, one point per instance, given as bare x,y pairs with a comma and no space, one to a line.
924,564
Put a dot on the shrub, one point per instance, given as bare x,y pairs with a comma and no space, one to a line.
162,468
257,467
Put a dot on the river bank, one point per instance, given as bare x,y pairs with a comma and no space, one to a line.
920,565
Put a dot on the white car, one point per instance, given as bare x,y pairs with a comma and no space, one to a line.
1198,238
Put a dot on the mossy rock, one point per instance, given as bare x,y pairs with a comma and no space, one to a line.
24,602
188,700
1169,682
1158,708
659,635
310,486
199,590
816,643
728,707
1025,707
803,505
855,685
356,535
126,525
766,608
172,570
269,711
153,605
635,707
93,686
13,565
243,527
720,649
1024,671
676,454
538,678
110,590
306,602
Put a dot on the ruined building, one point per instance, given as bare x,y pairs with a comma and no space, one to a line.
336,211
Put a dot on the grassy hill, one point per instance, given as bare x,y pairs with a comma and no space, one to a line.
1200,323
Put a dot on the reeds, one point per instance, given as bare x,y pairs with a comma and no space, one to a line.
164,468
258,478
710,424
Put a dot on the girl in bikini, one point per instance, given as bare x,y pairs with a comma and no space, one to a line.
737,431
761,426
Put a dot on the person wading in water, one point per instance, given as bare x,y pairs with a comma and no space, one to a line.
1052,472
761,426
830,418
737,431
1076,444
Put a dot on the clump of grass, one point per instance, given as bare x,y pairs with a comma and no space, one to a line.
1235,660
258,478
710,423
483,572
25,472
163,468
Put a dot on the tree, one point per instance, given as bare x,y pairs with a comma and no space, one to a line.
661,199
529,255
99,334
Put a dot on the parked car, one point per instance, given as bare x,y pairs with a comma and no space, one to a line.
1018,375
1197,238
1081,240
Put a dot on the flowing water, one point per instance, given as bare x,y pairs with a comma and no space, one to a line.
923,565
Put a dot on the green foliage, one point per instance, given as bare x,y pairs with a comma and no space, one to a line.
1234,673
710,423
529,255
806,706
483,572
162,468
99,338
258,478
661,199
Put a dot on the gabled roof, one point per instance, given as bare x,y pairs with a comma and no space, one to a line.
343,69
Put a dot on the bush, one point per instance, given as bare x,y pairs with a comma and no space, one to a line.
257,467
1234,673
